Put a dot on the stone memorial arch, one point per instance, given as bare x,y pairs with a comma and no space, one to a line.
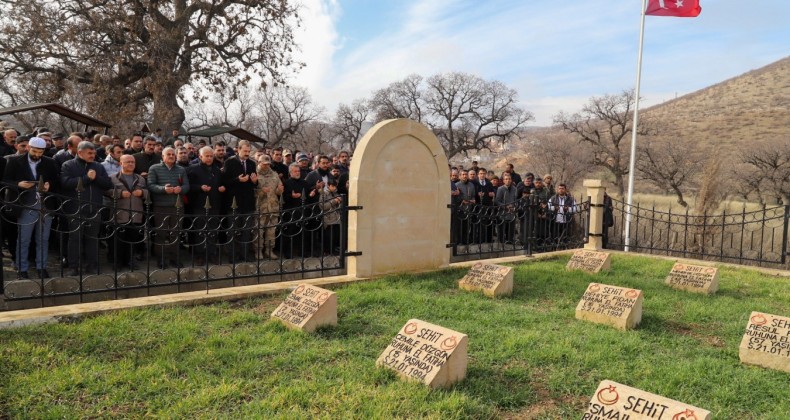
400,178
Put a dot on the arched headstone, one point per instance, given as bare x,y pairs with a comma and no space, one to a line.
400,178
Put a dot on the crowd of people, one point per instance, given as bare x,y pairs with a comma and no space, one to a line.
509,209
100,192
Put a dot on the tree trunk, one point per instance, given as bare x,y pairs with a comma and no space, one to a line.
620,184
168,114
681,201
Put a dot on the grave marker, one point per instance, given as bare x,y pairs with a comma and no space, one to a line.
421,351
619,307
766,342
617,401
307,308
590,261
494,280
694,278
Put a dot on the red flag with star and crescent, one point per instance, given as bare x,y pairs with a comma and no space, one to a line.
677,8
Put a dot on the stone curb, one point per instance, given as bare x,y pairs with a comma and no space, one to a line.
53,314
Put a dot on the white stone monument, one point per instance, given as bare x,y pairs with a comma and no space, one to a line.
400,178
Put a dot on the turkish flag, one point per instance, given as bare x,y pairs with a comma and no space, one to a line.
677,8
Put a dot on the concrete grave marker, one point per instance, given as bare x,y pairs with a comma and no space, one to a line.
766,342
494,280
617,401
694,278
590,261
619,307
307,308
421,351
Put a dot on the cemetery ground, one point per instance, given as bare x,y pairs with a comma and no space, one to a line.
528,356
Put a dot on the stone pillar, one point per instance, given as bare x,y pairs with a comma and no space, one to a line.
595,190
400,178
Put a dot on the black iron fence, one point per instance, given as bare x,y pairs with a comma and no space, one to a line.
72,250
524,227
757,237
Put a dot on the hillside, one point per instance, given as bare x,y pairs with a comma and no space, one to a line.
735,113
729,116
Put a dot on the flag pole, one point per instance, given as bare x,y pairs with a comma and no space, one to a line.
632,163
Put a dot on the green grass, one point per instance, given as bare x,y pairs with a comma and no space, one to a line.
528,356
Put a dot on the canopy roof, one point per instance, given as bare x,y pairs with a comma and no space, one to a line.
234,131
58,109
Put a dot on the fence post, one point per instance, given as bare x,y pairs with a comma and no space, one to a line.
786,202
595,190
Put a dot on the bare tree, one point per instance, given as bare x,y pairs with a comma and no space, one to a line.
128,55
669,164
767,170
402,99
471,114
349,121
465,112
604,123
282,112
558,153
314,136
218,110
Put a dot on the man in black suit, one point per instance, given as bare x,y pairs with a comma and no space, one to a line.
487,192
32,176
240,179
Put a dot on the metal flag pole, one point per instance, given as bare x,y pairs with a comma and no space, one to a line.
632,163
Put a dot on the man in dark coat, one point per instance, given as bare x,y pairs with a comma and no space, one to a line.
468,197
147,158
278,165
514,176
32,176
135,146
82,208
506,201
316,180
240,178
343,160
8,145
486,191
205,180
69,151
296,192
304,164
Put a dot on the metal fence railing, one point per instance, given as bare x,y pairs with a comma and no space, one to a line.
747,237
100,252
525,227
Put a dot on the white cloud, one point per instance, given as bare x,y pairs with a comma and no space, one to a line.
556,54
318,40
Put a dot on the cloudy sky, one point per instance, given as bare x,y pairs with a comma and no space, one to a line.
557,54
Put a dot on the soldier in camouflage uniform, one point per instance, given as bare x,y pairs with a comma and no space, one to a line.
268,201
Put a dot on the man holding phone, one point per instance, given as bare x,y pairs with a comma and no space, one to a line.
32,175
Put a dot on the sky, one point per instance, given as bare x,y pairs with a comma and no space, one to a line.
556,54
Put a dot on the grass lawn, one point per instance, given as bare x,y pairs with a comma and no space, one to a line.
528,356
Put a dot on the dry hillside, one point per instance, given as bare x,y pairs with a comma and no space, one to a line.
728,116
752,107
